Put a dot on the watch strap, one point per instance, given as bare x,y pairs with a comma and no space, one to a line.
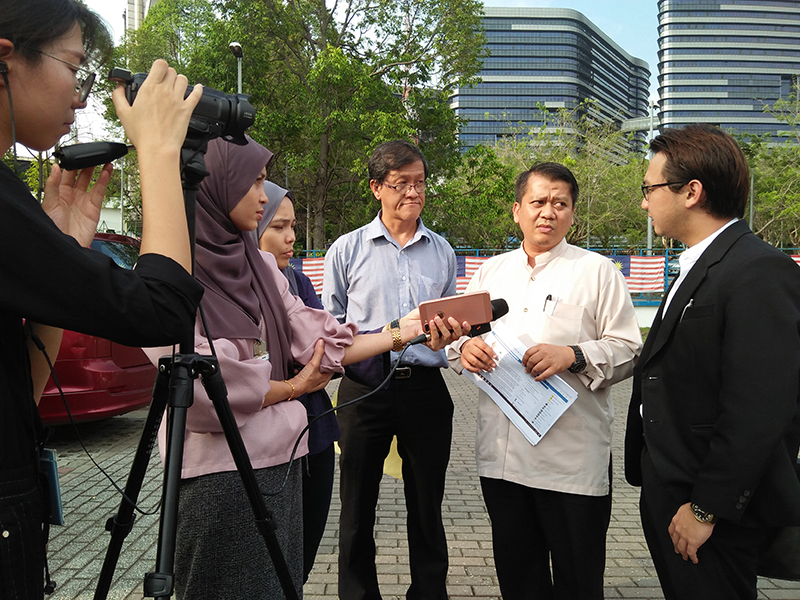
580,360
397,340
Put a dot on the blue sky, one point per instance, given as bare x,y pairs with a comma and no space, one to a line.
633,24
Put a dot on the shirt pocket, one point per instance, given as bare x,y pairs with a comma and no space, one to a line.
698,312
563,327
429,288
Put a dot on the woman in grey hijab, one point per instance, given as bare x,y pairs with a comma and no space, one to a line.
276,231
276,236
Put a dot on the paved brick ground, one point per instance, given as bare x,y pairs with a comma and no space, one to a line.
77,550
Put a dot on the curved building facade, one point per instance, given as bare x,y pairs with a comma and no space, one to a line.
552,57
722,62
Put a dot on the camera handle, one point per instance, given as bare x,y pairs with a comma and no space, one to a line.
174,392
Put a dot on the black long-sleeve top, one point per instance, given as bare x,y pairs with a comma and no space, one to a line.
47,277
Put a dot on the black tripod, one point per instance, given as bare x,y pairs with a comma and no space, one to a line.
173,390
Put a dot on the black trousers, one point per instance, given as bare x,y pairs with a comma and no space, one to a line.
317,492
21,539
532,527
727,561
419,411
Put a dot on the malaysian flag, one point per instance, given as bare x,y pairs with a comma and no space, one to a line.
467,265
796,258
643,273
313,268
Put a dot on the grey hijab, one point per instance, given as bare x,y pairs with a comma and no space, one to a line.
275,195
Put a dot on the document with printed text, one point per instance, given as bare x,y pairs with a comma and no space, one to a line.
532,406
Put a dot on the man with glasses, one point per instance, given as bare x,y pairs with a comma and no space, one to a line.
373,276
550,504
713,424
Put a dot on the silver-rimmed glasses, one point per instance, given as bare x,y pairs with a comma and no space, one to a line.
402,188
84,85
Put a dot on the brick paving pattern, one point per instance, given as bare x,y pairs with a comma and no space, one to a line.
77,550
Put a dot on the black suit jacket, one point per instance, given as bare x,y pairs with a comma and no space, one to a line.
718,379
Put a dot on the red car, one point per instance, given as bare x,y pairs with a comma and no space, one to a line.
100,378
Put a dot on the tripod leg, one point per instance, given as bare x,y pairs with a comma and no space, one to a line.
161,583
121,523
215,387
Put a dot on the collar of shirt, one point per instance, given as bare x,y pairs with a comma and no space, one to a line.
545,257
690,256
376,229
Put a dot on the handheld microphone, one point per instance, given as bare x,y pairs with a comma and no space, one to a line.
81,156
499,309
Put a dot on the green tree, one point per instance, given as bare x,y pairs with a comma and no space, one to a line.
775,170
473,207
775,166
603,160
328,82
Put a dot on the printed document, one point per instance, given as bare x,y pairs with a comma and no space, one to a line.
532,406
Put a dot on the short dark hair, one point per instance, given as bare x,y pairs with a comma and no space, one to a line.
391,156
711,156
551,171
35,24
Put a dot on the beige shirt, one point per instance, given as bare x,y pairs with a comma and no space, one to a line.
590,306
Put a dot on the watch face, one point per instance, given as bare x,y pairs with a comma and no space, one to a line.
701,515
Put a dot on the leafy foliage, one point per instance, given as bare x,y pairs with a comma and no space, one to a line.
331,80
608,171
329,83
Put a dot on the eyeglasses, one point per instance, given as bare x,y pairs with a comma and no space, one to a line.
84,86
646,189
402,188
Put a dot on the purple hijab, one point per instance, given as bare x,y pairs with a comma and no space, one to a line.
238,290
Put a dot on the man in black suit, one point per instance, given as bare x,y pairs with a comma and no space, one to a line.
713,425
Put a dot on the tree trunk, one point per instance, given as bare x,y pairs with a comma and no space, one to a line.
321,192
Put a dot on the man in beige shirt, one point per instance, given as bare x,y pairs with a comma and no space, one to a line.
552,501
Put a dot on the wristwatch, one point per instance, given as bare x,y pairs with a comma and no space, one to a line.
397,341
580,360
702,515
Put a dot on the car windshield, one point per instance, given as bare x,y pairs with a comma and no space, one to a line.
125,255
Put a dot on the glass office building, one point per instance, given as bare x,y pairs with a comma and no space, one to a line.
721,62
552,57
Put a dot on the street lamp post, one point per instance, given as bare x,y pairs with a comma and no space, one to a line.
236,50
653,106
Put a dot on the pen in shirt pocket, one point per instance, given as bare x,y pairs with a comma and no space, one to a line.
553,303
691,301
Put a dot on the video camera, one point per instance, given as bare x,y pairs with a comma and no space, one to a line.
216,115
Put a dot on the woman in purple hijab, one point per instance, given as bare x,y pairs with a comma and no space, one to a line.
259,331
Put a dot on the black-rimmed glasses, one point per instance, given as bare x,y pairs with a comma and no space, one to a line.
402,188
84,86
647,188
